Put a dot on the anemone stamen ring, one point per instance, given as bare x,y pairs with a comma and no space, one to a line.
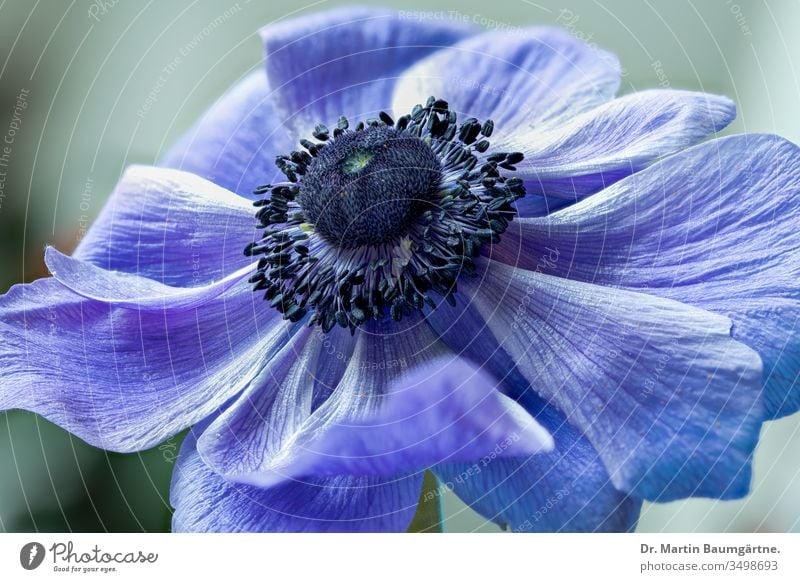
370,221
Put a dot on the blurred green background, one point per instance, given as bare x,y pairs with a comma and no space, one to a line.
86,67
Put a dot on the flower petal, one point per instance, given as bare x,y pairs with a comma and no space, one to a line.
128,290
172,227
444,411
123,379
590,151
235,143
205,502
533,77
275,432
345,61
567,490
283,407
714,226
666,397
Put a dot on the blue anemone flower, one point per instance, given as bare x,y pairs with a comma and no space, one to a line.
557,300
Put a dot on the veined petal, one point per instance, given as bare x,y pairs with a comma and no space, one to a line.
346,61
274,432
124,379
566,490
534,77
714,226
666,397
593,150
282,409
444,411
235,143
172,227
128,290
205,502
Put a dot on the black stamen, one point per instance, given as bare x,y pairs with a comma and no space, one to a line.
371,223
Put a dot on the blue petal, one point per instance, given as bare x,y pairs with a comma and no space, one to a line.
567,490
235,144
593,150
345,61
523,80
127,290
533,205
666,397
205,502
440,412
392,406
172,227
257,439
714,226
125,379
547,93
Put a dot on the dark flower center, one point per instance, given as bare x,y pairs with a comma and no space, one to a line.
377,221
367,186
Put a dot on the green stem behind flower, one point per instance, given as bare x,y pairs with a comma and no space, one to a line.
428,518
